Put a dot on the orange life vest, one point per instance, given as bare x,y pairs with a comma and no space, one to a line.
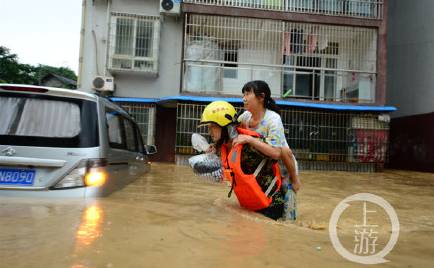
245,186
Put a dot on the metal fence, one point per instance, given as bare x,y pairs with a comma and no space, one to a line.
321,140
187,119
372,9
144,115
336,136
298,60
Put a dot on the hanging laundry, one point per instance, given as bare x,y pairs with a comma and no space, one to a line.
312,41
322,41
286,50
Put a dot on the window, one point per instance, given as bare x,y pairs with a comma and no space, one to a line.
144,116
130,136
47,121
302,60
313,77
42,118
134,42
231,69
122,132
139,140
114,129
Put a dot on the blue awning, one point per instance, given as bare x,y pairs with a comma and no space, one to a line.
300,104
206,99
138,100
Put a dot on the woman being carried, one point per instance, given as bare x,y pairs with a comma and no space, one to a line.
255,178
262,116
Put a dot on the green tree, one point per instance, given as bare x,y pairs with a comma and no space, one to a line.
11,71
42,70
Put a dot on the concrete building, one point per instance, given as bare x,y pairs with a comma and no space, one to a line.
411,84
325,61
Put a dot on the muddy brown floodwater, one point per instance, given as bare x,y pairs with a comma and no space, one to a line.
171,218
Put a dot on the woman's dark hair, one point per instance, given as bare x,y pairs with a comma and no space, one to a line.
223,138
261,89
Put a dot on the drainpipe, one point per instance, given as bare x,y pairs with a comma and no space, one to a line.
95,39
107,37
82,34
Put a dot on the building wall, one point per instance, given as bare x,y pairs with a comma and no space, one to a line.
95,45
411,57
96,40
411,142
411,84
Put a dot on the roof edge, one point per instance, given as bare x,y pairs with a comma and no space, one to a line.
207,99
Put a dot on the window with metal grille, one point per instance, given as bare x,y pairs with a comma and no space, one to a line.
134,42
297,60
187,119
144,115
230,70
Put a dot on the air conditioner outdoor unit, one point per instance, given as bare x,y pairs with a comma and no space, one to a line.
170,7
103,83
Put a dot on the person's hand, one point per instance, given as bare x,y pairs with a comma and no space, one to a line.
296,184
211,149
242,139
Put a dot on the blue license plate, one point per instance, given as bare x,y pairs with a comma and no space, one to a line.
12,176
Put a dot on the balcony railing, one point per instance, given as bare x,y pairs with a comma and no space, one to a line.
298,60
372,9
285,82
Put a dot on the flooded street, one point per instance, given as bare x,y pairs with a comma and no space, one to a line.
171,218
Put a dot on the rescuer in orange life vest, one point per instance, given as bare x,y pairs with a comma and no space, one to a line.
255,178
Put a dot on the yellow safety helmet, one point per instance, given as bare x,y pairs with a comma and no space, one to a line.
220,112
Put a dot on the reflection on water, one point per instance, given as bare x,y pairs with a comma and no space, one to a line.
90,226
246,232
172,218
